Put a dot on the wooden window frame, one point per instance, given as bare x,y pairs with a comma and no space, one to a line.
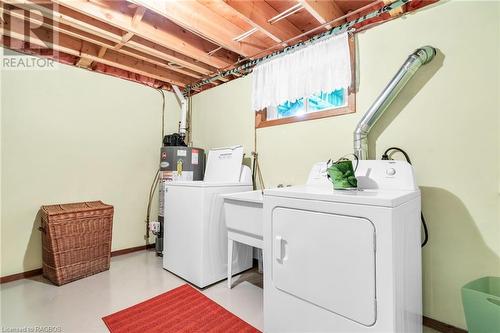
261,116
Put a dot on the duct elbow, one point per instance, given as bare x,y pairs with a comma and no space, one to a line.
360,134
425,54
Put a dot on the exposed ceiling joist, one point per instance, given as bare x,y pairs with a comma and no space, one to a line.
79,48
38,20
164,42
100,31
68,17
323,10
258,14
105,12
102,52
199,19
394,12
138,14
84,62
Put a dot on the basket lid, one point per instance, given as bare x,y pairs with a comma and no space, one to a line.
74,207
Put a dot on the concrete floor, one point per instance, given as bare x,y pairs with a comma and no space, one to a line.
80,305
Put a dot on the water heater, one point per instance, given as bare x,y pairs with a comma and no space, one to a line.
177,163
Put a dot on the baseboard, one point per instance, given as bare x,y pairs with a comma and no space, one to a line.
38,271
19,276
441,327
131,249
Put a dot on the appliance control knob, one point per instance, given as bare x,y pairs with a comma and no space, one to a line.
390,172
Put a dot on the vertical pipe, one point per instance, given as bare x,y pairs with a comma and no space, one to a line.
184,106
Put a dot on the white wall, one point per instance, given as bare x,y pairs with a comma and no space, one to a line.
447,118
71,135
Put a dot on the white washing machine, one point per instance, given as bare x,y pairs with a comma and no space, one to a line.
344,261
195,234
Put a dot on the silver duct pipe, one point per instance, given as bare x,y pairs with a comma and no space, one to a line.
418,58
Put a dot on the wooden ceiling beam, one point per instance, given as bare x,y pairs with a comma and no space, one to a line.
200,20
323,10
105,12
258,14
102,52
138,14
225,56
69,17
395,12
104,43
76,47
84,62
136,19
99,28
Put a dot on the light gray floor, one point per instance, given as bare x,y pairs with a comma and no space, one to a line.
80,305
133,278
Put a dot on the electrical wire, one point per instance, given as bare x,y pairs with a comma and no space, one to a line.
254,172
385,156
257,173
152,190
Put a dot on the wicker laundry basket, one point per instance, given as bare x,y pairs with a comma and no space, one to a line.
76,240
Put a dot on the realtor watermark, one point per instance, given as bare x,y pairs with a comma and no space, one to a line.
34,329
26,62
29,36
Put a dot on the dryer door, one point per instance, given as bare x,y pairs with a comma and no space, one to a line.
327,260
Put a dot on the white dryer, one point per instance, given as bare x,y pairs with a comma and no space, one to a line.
195,233
344,261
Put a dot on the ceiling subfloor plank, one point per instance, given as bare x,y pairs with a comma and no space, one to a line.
258,14
323,10
202,21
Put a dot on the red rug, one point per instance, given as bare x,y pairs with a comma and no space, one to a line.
183,309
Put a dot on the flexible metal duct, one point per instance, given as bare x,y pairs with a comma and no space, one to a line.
418,58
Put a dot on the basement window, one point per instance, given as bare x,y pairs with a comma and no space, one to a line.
317,103
334,103
323,105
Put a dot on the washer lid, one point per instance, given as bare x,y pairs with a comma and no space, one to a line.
325,192
224,164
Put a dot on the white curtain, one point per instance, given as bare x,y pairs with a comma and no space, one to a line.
321,67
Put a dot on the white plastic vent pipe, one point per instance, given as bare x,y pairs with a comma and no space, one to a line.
418,58
184,106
